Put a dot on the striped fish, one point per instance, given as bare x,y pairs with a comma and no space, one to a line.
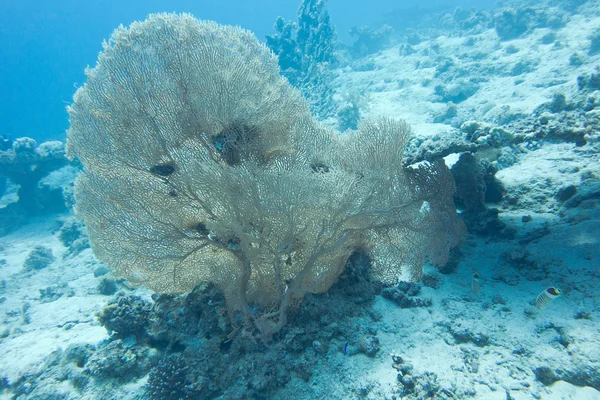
547,296
476,284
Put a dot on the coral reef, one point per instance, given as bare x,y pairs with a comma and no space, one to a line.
589,82
574,120
369,40
107,287
177,377
54,292
126,315
183,346
26,164
348,117
405,295
40,257
457,91
118,360
306,53
471,188
73,236
531,136
349,111
510,23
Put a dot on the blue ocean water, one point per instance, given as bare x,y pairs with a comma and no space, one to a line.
45,45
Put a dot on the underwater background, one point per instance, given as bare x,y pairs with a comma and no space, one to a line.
503,103
46,45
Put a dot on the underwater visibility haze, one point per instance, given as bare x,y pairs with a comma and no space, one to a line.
308,199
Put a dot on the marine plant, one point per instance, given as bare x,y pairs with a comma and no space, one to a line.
201,163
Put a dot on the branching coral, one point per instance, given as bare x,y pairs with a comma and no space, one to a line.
25,164
306,54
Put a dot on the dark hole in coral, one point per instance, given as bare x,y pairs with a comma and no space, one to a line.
163,345
233,244
494,189
225,346
236,141
177,347
158,344
357,266
319,168
162,169
172,193
201,229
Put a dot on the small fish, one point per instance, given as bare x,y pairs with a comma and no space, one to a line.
476,284
547,296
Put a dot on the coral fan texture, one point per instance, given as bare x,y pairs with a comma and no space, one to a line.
203,163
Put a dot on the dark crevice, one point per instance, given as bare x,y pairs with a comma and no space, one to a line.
162,169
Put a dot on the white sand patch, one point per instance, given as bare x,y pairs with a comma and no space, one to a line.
34,328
